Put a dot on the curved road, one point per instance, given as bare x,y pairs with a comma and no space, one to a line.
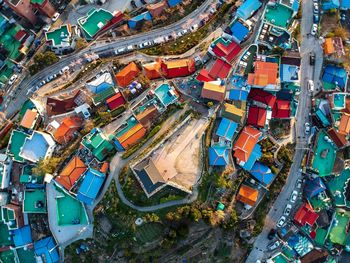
100,47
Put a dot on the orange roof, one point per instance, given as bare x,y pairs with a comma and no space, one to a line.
152,70
265,73
132,136
344,125
127,74
328,46
178,63
104,167
247,195
67,128
29,119
71,173
245,143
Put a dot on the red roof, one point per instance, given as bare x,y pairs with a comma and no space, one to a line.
56,106
178,68
66,130
229,52
220,69
20,35
281,109
115,101
262,96
257,116
203,76
305,215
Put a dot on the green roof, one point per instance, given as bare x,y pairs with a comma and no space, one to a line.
15,144
337,186
324,156
7,38
39,2
58,35
99,145
8,216
7,256
94,21
103,95
278,15
31,199
28,105
5,239
26,255
338,233
321,235
70,211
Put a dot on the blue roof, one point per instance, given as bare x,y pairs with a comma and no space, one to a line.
91,186
172,3
320,115
247,9
237,94
145,16
330,4
227,129
295,5
289,73
47,247
218,155
22,236
335,75
262,173
254,156
239,31
345,4
313,187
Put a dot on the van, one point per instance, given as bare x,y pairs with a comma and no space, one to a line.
310,85
130,48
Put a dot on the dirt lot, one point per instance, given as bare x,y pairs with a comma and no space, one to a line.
329,22
178,159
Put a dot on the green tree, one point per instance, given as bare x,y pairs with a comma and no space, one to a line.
45,166
210,104
42,60
81,43
195,214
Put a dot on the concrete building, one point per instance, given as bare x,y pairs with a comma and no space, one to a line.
5,170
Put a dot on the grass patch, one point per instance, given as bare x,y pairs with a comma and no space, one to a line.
149,232
117,111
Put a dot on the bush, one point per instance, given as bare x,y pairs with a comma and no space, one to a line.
117,111
41,61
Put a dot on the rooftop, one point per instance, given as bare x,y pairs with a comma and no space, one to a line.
218,155
60,36
34,201
71,173
227,129
278,15
15,144
247,195
166,94
90,186
94,21
245,143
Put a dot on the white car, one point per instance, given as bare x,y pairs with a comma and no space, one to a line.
294,196
12,79
299,184
55,16
314,29
287,210
274,245
281,221
307,128
310,85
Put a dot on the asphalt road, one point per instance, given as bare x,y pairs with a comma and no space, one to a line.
11,105
308,44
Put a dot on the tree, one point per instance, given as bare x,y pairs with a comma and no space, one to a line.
340,32
45,166
81,43
210,104
195,214
42,60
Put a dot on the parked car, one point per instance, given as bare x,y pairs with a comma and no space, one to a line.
271,234
299,184
310,85
316,10
287,210
316,18
294,196
307,128
55,16
12,79
314,29
274,245
312,58
46,28
281,221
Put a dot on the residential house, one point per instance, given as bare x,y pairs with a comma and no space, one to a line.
100,83
281,109
152,70
219,155
178,68
91,186
235,112
262,173
219,70
213,91
5,170
63,132
225,49
247,195
99,143
115,101
157,9
257,117
129,135
313,187
246,150
239,31
64,103
305,215
137,21
333,46
262,98
22,236
127,74
63,39
265,75
248,8
334,77
71,173
227,129
47,250
29,119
